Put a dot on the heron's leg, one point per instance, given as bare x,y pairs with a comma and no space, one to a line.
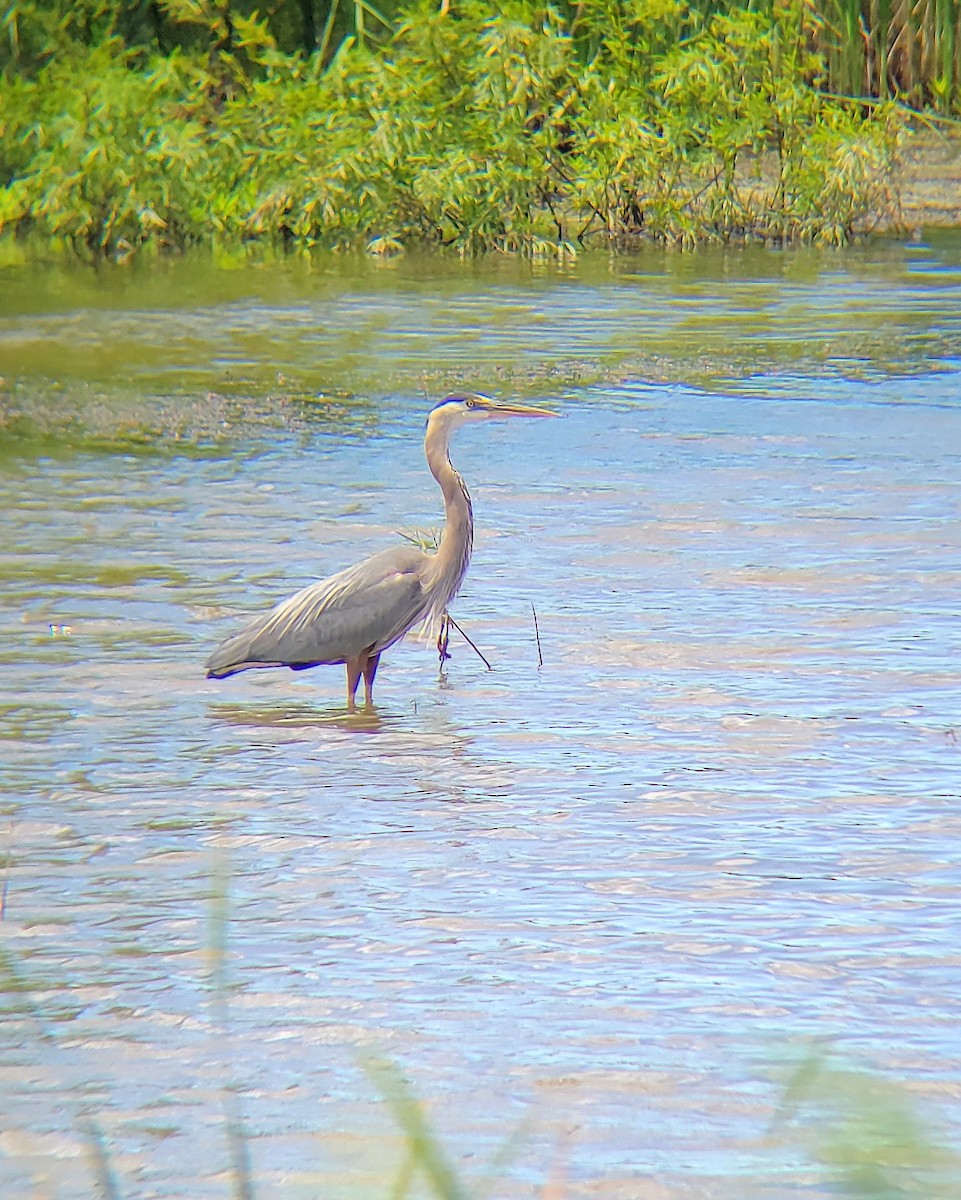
443,640
354,667
370,670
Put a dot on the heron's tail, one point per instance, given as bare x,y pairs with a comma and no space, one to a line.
232,656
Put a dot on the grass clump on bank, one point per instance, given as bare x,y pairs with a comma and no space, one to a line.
532,130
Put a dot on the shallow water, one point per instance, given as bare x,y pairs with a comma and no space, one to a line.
596,904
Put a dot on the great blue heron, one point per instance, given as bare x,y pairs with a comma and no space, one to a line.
353,616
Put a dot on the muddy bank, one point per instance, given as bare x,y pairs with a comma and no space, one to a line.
929,178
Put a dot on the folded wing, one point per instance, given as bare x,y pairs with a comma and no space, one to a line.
364,609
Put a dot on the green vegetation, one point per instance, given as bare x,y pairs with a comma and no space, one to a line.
859,1132
888,48
864,1131
539,129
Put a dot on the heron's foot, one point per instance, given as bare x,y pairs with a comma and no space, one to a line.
443,640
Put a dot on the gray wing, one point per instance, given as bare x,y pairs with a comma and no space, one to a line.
365,608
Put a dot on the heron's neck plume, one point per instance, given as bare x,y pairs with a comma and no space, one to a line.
453,553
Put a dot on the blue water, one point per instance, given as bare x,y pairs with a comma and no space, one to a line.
600,904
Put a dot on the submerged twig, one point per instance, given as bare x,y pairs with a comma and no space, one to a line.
537,636
451,621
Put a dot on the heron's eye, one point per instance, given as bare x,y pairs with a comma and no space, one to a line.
471,403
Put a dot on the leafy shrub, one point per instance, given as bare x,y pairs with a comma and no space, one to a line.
523,132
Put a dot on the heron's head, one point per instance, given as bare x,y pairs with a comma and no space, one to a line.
470,407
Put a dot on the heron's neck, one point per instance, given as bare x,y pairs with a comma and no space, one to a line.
453,553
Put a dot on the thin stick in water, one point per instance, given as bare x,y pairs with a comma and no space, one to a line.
469,642
537,636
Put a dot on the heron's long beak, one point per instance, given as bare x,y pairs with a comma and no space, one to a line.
511,410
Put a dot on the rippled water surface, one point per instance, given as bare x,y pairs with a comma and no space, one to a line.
593,906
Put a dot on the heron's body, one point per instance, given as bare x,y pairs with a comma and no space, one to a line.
353,616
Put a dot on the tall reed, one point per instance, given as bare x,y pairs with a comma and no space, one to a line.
905,49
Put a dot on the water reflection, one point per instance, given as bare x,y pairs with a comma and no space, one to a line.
200,358
302,717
